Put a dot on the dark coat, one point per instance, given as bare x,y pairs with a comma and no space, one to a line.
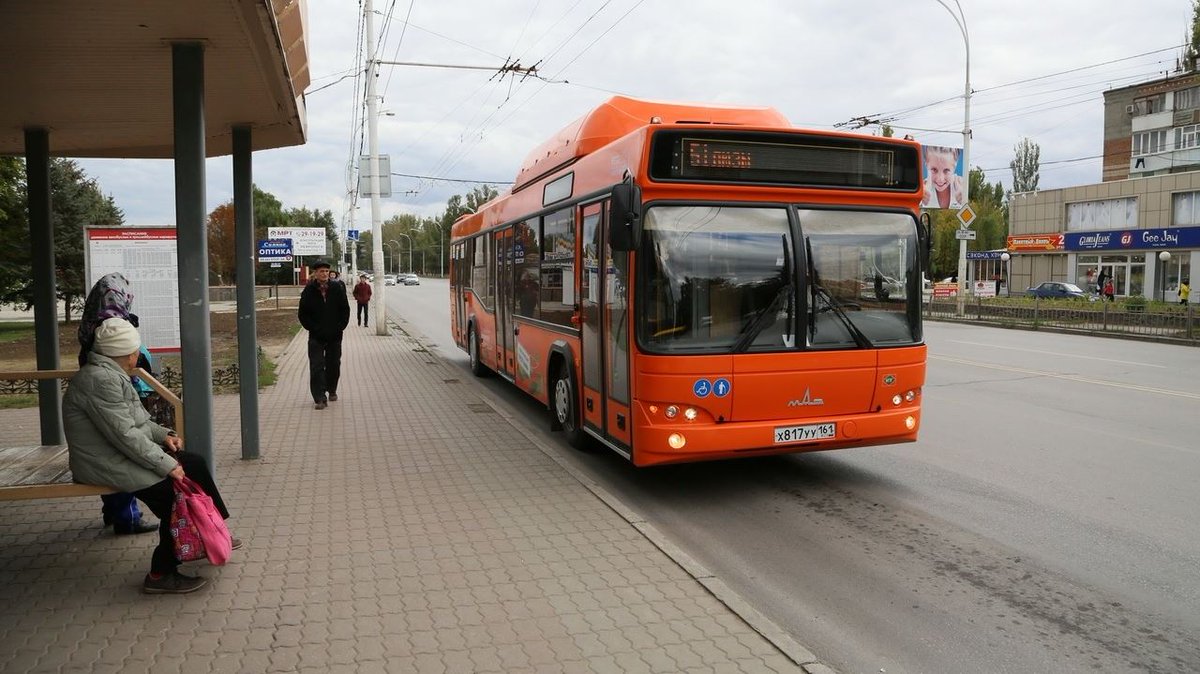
325,317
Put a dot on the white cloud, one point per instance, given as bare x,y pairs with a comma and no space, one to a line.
820,62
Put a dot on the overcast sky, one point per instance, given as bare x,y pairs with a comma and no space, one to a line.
1038,70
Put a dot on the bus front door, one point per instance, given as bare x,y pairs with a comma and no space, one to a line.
504,302
604,332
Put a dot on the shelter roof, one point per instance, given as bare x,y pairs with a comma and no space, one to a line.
98,74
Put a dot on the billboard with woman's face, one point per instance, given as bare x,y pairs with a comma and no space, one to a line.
943,177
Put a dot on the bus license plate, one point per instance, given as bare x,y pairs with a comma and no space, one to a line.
786,434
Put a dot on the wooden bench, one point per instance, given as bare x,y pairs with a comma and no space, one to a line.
41,471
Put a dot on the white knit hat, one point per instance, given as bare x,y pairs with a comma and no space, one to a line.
116,337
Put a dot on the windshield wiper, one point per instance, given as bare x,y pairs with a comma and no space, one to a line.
816,290
766,315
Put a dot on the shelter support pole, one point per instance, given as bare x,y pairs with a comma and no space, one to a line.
187,84
45,290
243,216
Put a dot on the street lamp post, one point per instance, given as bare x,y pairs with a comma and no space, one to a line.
395,256
1004,258
410,247
960,19
1164,257
440,268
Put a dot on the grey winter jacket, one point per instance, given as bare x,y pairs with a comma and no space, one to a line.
111,440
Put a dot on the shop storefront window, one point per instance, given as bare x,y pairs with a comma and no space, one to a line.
1128,273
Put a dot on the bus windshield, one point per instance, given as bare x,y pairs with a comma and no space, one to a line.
725,279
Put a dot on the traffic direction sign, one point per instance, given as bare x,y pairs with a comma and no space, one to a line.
965,234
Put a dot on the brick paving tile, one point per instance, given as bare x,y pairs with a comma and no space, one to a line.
406,528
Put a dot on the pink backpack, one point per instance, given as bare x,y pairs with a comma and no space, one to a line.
197,526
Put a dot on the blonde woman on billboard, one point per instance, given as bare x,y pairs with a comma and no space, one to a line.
943,184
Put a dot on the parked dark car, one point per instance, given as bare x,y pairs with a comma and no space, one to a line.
1056,289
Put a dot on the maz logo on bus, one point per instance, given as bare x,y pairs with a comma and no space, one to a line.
806,400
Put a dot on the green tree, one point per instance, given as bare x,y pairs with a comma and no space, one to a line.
990,225
14,257
76,202
1025,166
1191,52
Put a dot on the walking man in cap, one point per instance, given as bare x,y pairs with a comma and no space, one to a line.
325,312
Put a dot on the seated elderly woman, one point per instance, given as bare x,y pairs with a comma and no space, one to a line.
112,441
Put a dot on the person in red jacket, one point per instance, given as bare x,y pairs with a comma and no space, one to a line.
362,295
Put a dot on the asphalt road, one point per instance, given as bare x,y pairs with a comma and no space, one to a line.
1048,520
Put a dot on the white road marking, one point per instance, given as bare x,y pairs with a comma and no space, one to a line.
1071,377
1055,353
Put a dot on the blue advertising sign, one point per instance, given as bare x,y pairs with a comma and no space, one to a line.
984,254
1133,239
274,250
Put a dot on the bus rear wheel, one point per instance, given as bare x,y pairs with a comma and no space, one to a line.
565,407
477,367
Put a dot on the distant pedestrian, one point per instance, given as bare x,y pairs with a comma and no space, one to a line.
325,312
1184,291
362,295
1100,279
1109,290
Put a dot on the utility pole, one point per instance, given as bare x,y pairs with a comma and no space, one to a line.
961,20
381,327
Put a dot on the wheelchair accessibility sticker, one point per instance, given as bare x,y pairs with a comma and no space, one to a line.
702,388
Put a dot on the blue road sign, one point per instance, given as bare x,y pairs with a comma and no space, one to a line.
352,234
721,388
275,250
701,388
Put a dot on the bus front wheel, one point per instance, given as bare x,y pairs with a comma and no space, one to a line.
566,407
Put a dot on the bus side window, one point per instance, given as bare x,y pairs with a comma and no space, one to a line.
558,267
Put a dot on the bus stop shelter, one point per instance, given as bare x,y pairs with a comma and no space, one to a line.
154,80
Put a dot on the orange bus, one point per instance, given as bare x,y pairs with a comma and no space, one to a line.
683,283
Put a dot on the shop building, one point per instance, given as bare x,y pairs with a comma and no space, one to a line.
1141,226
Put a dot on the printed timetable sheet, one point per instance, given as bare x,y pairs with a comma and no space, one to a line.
146,256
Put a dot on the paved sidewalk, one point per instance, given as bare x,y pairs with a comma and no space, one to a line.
407,528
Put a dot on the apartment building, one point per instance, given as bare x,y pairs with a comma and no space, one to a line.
1141,225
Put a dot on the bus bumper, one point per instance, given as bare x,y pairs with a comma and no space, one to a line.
654,443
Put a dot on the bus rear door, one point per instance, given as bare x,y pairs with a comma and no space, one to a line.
505,328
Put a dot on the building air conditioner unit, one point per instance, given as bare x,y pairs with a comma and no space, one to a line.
1129,108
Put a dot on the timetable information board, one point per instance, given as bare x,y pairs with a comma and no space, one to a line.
147,258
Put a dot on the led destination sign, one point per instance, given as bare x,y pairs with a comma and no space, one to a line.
784,158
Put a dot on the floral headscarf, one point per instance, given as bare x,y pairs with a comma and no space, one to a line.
109,298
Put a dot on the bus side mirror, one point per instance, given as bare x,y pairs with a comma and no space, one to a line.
925,236
625,217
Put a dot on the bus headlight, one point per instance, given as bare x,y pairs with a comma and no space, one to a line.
676,441
910,423
896,399
910,395
690,414
671,411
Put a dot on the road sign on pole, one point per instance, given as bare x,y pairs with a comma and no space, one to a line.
966,215
965,235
